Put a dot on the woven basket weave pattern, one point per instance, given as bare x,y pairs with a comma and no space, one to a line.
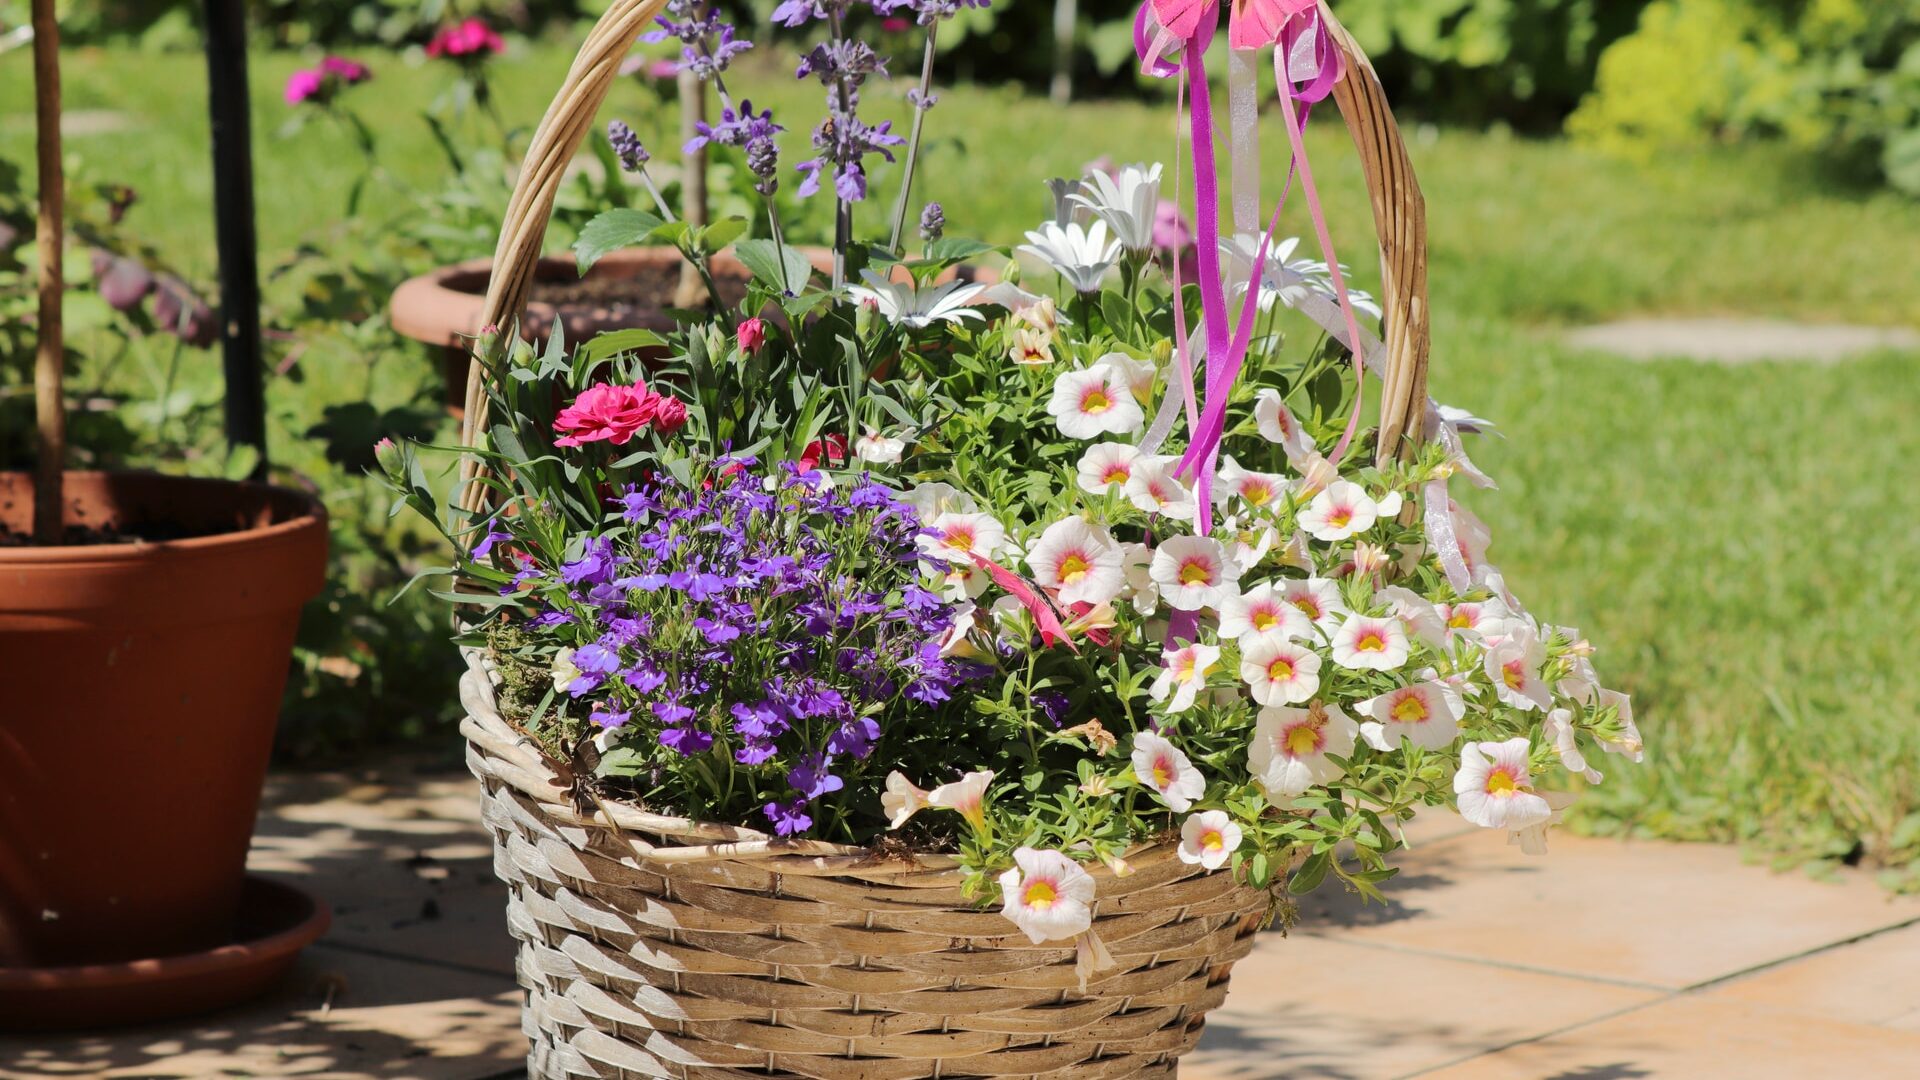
816,967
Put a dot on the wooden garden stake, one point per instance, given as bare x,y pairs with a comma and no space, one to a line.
50,354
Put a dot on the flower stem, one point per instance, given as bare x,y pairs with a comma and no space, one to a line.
842,210
913,141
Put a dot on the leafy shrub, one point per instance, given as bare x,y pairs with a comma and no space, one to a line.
1837,77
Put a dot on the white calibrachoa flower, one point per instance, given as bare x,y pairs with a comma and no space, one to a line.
1473,620
1137,561
1079,560
1208,839
1417,612
1514,663
1184,674
1278,671
956,537
1277,424
1031,346
1138,374
1628,744
1262,610
1290,747
1094,401
1193,572
1426,713
1338,512
1247,541
1559,732
1370,643
1153,488
902,799
1256,489
1047,895
563,670
965,796
878,448
1106,467
1161,766
1316,598
932,500
1493,788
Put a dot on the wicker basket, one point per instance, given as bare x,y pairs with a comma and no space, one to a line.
653,946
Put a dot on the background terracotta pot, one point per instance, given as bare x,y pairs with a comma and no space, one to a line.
142,685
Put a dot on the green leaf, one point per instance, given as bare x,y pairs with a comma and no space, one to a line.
623,761
614,342
784,269
611,231
722,232
1311,874
956,248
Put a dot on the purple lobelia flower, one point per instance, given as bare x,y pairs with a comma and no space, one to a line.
789,817
811,778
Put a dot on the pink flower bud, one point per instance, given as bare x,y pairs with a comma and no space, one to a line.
751,336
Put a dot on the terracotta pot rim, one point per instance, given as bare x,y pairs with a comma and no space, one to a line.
312,516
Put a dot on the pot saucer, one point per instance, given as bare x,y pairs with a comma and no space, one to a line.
276,921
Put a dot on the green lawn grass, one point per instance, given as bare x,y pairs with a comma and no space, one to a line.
1738,540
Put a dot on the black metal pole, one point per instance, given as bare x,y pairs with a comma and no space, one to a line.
246,406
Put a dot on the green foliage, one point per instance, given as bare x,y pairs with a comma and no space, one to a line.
1837,77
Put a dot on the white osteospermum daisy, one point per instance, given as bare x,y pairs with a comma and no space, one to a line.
1278,671
1183,676
1248,541
1256,489
1559,731
1161,766
1427,713
1047,895
1079,560
1339,512
902,799
1081,255
1286,280
1316,598
1514,663
932,500
1137,561
1094,401
903,304
1277,424
1106,467
1193,572
1208,839
1290,747
1262,610
1154,489
878,448
1127,203
1370,643
1493,788
1138,374
957,538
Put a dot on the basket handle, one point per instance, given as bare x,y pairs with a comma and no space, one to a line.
1399,215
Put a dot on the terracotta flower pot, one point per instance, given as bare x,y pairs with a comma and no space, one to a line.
631,288
142,684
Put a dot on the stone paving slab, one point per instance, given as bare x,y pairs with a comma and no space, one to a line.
1603,961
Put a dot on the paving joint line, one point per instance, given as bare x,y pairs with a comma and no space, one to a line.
1506,965
1665,997
388,954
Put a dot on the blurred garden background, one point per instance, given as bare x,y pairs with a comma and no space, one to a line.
1740,536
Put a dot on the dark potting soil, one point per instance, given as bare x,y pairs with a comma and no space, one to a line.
652,291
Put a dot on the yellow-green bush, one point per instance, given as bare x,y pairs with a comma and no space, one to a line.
1837,77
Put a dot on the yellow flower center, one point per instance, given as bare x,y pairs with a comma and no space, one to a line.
1500,782
1280,670
1514,674
1264,620
1371,641
1116,475
960,538
1340,516
1073,568
1308,606
1256,494
1040,894
1302,739
1213,841
1162,773
1460,620
1409,710
1095,401
1195,573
